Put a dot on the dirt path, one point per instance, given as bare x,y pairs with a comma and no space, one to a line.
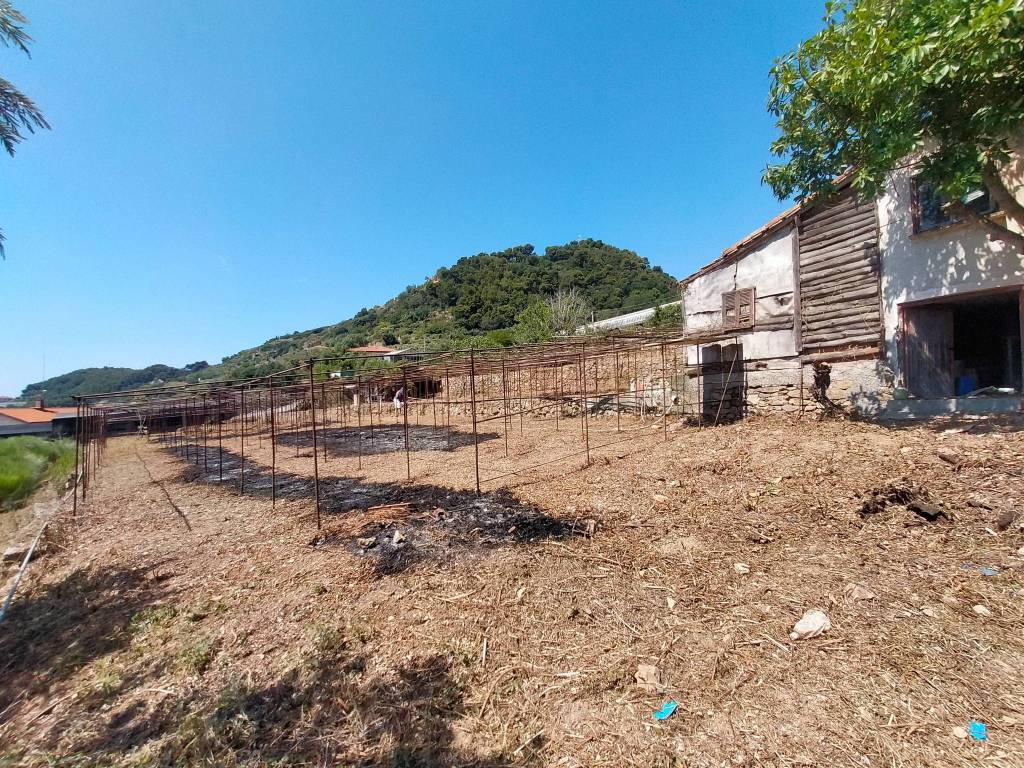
183,623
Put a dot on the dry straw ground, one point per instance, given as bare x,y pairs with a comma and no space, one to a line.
201,627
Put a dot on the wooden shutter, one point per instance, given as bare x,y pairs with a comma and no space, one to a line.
729,309
738,308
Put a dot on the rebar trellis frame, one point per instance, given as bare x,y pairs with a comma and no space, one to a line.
569,377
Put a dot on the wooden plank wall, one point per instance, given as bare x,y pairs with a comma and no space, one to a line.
840,287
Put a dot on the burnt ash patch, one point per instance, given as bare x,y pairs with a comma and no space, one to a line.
346,442
431,522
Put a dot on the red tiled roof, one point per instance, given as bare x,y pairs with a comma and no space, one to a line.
30,415
373,348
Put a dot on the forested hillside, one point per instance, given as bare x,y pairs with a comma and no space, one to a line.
475,301
478,295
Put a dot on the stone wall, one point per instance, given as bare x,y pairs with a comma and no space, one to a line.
781,387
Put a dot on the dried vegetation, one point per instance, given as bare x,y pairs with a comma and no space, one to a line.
426,627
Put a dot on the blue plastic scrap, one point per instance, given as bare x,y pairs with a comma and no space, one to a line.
667,710
977,730
984,570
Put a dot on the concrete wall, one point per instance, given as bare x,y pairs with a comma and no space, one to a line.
768,269
952,260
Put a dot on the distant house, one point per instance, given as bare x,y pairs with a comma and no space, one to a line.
41,421
915,312
387,354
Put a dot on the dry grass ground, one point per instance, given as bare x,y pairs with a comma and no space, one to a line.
181,623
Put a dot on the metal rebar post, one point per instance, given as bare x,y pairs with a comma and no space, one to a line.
316,468
273,449
78,420
472,394
405,425
241,473
664,395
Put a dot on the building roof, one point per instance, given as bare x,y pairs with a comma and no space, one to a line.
769,227
376,349
35,415
783,219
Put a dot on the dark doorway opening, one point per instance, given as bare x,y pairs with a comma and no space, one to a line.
960,345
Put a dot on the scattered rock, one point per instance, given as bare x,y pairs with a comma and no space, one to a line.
928,511
671,603
858,592
15,554
367,542
960,732
398,539
590,526
672,483
930,612
741,568
811,624
981,610
949,456
1006,519
648,677
949,601
978,501
660,500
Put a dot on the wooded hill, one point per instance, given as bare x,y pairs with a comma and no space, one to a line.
87,381
473,302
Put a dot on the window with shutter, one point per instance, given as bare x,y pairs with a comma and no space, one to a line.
738,308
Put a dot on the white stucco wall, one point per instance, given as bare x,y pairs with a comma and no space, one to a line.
951,260
768,269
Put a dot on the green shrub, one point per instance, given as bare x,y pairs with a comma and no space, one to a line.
26,462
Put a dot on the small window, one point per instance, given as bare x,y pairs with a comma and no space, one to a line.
929,206
738,308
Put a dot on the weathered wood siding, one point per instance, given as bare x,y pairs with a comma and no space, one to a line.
839,275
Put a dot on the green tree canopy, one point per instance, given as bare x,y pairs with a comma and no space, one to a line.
533,324
886,79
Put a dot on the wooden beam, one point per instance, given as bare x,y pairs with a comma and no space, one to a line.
797,316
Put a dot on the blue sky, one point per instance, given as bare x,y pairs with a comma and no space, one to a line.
220,173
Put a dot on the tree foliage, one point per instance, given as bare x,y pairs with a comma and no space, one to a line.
18,114
941,81
569,309
533,324
59,390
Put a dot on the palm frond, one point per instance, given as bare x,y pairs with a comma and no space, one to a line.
12,29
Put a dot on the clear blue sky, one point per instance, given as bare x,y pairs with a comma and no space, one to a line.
219,173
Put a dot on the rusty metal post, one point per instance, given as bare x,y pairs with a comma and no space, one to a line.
472,394
664,395
206,434
316,467
241,472
558,400
586,408
504,403
448,407
519,395
273,449
359,420
405,425
618,399
326,411
220,437
86,427
700,391
78,420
